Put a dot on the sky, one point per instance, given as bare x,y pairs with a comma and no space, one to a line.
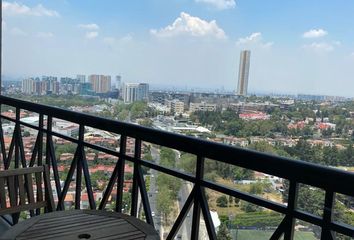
296,46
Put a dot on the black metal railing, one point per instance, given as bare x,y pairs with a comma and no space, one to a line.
331,180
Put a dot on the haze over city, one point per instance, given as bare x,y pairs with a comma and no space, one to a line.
297,47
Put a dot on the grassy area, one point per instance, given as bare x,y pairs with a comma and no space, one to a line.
261,235
273,196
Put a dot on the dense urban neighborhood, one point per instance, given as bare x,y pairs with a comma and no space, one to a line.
317,129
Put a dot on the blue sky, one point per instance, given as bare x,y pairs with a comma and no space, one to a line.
297,46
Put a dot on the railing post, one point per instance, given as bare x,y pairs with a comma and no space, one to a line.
50,156
40,141
135,192
197,197
120,180
84,167
292,199
326,233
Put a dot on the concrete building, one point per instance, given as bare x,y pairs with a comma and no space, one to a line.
243,73
132,92
177,107
48,85
203,106
118,82
100,83
143,92
28,86
81,78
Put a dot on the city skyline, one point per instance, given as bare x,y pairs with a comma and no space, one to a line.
189,43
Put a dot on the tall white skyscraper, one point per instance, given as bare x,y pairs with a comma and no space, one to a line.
243,73
132,92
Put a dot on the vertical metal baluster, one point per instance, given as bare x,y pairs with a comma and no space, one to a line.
50,156
292,199
40,141
68,181
135,192
2,141
326,233
144,197
197,197
78,179
85,168
111,184
120,180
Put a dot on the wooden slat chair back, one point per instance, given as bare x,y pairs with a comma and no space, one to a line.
17,191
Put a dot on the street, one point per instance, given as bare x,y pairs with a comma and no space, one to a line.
153,192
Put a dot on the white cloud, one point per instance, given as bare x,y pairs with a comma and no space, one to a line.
320,47
91,35
90,26
255,39
109,40
219,4
18,32
186,24
127,38
45,35
15,8
315,33
113,41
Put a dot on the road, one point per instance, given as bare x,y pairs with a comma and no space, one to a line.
185,229
183,194
153,192
186,188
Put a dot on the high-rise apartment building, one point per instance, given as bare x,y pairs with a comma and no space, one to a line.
118,82
243,73
81,78
28,86
132,92
48,85
100,83
143,92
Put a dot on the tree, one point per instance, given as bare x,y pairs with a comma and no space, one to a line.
223,233
164,203
256,188
221,201
242,173
249,207
230,200
26,134
147,122
188,163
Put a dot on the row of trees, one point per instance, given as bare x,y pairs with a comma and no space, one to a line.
168,186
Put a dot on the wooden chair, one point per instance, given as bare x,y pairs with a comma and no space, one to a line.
18,185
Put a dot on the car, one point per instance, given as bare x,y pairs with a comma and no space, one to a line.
153,214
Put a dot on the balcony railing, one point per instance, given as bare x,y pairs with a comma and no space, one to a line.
331,180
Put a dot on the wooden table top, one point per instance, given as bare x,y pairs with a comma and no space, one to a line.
81,224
